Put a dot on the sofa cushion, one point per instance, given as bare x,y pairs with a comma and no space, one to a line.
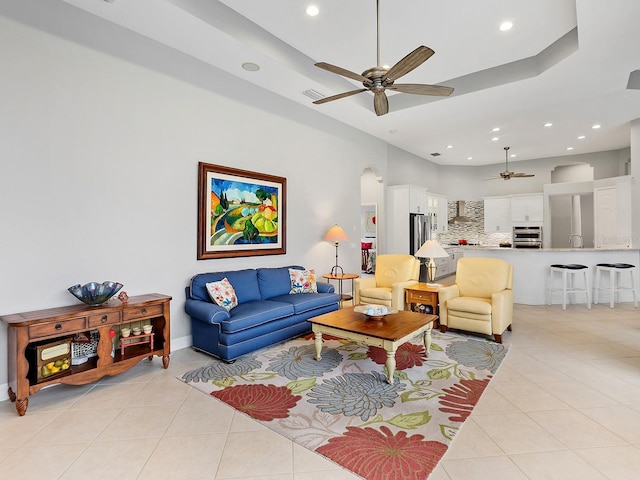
275,281
251,314
222,293
303,281
305,302
244,282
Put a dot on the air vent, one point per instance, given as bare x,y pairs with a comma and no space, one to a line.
313,94
435,154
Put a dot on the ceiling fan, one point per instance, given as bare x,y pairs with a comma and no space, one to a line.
507,175
378,79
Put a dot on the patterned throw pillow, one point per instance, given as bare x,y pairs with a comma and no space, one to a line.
222,293
303,281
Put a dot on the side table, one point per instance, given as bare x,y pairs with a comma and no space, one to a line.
422,293
340,278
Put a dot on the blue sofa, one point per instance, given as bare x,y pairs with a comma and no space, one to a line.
266,313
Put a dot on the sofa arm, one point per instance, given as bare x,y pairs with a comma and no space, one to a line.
359,283
205,311
501,311
398,295
444,294
325,287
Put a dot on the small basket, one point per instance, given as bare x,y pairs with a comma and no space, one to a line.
81,351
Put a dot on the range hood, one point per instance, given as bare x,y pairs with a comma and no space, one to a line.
461,217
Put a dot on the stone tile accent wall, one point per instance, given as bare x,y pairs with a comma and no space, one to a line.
472,232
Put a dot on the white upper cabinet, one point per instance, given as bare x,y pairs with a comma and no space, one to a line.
497,214
418,200
438,212
527,209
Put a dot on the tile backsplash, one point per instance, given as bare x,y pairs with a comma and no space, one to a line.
472,232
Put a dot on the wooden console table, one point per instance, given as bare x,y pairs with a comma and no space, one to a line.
28,329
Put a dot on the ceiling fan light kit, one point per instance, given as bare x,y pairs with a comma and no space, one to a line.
378,79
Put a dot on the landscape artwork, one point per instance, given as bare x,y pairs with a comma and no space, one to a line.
240,213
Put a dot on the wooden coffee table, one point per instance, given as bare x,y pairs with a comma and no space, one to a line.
389,333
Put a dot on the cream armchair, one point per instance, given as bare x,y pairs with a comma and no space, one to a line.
393,273
481,300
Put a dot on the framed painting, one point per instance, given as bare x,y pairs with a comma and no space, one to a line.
240,213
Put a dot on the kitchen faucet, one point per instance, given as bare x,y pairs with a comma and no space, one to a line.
576,235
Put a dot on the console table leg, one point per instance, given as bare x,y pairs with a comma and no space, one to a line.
12,395
21,405
165,361
391,366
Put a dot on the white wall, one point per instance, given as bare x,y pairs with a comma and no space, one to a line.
99,175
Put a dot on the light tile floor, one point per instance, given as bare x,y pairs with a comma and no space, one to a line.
564,405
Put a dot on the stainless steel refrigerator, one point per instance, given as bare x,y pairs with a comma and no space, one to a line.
419,232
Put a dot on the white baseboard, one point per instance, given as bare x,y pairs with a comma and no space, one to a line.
4,392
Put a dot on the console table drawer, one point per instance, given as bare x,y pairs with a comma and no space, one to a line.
72,325
104,319
418,296
142,312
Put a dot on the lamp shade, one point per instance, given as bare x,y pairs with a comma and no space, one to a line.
431,249
336,234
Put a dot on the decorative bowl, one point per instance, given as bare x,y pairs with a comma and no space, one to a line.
375,312
136,330
147,328
125,332
94,293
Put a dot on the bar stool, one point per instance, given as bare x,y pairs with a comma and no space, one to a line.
569,272
615,270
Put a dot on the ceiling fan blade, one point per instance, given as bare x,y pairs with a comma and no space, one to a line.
408,63
339,96
422,89
380,103
342,71
522,175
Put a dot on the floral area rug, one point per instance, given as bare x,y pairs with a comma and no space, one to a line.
343,408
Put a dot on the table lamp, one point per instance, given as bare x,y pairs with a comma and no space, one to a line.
336,234
431,249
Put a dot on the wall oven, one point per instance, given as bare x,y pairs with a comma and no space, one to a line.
527,237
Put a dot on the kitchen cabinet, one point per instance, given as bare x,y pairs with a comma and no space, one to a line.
418,200
405,199
526,210
439,212
612,215
497,215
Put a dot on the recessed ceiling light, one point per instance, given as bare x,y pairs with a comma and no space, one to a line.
513,155
495,129
506,25
469,158
393,131
495,139
596,126
312,10
569,148
581,137
449,146
548,124
251,67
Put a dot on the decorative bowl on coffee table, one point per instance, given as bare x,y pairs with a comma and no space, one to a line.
375,312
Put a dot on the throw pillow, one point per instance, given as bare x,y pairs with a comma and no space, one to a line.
303,281
222,293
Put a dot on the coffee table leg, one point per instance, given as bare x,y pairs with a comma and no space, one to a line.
427,341
391,365
318,343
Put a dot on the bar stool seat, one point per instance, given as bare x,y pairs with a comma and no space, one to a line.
569,271
615,271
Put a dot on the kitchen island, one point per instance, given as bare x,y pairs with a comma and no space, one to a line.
531,268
